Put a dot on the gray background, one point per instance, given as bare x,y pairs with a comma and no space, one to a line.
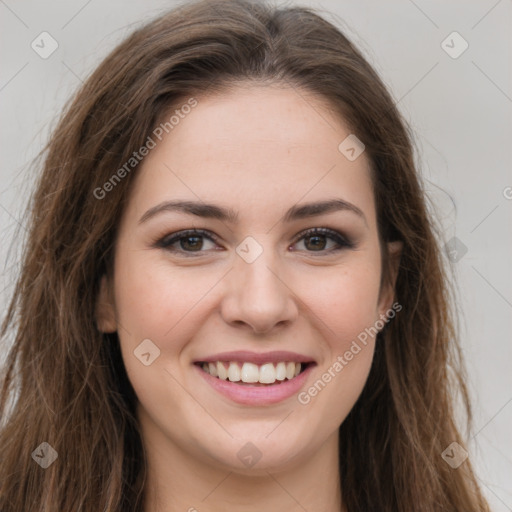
460,110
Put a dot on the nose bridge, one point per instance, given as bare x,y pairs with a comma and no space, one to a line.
260,276
258,296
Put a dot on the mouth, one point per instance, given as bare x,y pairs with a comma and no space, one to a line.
252,374
255,379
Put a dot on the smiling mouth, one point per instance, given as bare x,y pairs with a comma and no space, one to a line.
251,374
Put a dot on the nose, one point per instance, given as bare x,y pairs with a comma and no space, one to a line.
258,296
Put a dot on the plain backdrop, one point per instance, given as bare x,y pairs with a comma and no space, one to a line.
458,104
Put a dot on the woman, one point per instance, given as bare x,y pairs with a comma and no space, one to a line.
231,296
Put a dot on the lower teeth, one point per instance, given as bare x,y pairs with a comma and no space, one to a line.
256,383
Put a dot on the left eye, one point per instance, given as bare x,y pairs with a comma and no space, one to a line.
317,241
191,241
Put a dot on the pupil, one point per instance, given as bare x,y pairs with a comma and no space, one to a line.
317,237
192,246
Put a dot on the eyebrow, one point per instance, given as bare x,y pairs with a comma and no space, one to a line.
211,211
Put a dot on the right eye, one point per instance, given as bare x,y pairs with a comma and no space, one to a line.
190,241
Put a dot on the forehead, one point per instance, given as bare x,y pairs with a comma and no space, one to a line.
254,149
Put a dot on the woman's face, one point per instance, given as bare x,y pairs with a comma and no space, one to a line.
254,294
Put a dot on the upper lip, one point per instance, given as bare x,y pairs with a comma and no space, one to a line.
245,356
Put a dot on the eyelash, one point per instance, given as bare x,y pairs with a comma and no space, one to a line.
167,241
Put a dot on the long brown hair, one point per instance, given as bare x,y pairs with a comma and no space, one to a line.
64,381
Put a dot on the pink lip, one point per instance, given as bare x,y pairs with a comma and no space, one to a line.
244,356
256,395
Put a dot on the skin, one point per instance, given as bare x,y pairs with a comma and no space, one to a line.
259,150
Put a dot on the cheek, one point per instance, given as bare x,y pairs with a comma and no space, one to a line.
155,302
164,304
344,304
346,300
153,298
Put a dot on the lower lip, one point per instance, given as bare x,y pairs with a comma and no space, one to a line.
257,395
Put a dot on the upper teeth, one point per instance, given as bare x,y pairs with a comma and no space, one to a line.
249,372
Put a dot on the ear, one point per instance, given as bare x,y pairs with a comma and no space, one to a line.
105,309
387,293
